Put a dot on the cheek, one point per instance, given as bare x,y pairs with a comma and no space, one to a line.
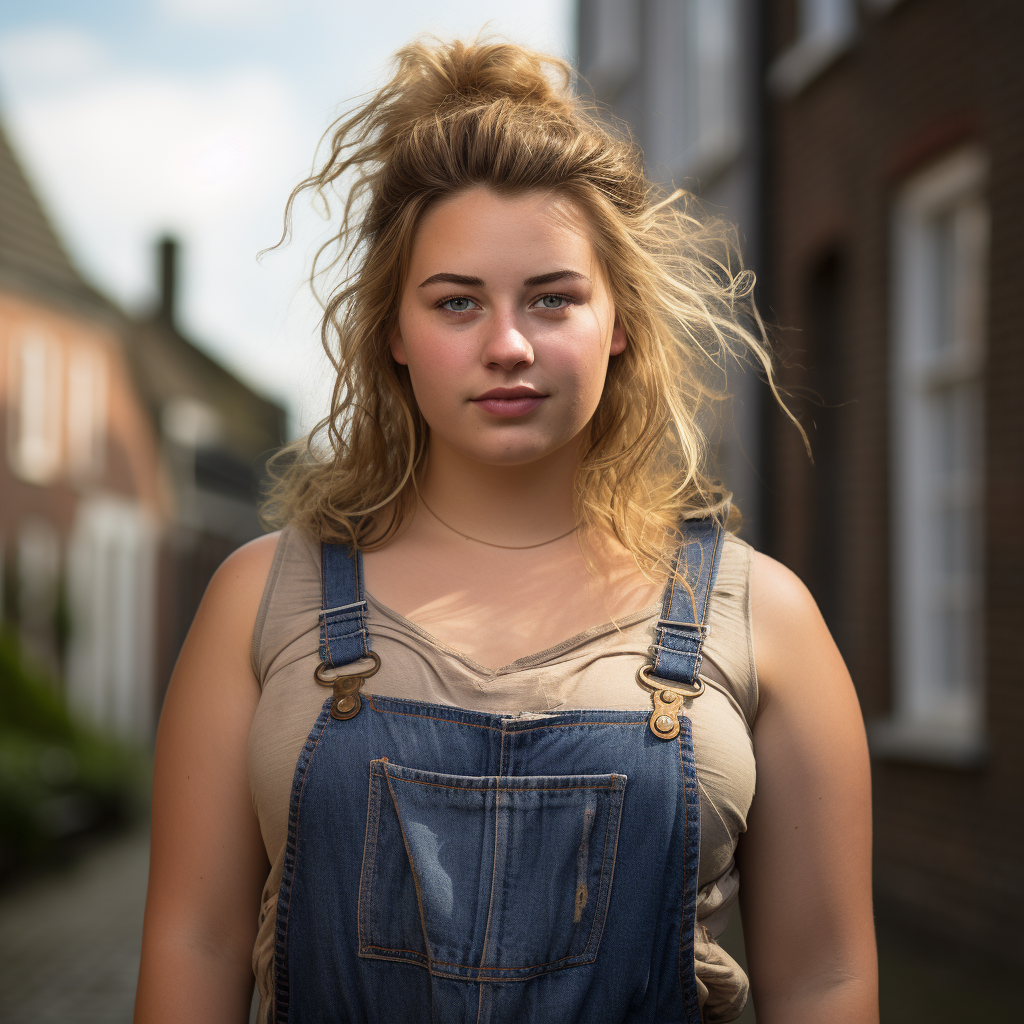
436,366
581,364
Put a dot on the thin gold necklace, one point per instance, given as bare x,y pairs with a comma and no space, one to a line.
506,547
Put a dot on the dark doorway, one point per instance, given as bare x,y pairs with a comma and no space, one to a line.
828,394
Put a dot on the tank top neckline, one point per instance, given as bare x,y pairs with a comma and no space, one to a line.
536,660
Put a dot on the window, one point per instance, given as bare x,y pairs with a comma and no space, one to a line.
190,423
36,423
697,45
940,242
826,19
86,412
112,566
826,29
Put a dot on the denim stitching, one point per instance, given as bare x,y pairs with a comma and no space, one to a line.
369,850
587,955
412,868
500,789
687,974
481,970
642,717
494,862
604,892
281,979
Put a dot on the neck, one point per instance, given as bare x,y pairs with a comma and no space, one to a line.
514,505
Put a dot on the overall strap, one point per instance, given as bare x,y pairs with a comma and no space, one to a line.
682,628
343,635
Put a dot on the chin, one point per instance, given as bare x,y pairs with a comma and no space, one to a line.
510,455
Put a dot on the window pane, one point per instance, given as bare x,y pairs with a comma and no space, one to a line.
86,412
944,271
939,294
38,399
826,19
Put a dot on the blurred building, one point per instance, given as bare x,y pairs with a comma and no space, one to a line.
895,226
128,470
215,435
872,153
684,75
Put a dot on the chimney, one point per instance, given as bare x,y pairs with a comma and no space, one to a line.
167,255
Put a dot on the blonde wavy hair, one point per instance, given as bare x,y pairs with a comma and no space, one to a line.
457,115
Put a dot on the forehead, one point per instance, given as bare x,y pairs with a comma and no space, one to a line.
507,233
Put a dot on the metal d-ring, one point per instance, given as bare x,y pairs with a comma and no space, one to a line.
666,703
343,675
346,702
643,677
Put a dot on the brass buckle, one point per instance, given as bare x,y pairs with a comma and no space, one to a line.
666,703
346,701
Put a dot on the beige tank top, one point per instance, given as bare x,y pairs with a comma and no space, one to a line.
594,669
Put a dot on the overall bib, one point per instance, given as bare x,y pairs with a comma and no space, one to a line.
454,866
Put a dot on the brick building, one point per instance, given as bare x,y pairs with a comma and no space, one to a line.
874,155
685,76
895,225
127,462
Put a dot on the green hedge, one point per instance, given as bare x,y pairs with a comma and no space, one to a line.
58,778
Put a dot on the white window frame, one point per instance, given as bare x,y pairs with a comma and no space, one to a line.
936,383
827,29
87,401
696,49
35,447
112,579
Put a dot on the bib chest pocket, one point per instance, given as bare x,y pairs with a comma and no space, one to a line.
490,878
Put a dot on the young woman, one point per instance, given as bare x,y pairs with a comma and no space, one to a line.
473,738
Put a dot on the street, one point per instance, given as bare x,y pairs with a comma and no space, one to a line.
69,951
70,939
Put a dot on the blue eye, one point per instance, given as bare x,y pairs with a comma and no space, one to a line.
557,298
462,303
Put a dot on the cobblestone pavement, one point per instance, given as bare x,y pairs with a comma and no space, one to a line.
69,941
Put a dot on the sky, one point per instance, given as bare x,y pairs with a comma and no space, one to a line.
197,117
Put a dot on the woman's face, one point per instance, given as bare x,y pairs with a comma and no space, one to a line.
506,325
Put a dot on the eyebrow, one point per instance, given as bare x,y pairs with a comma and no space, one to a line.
530,282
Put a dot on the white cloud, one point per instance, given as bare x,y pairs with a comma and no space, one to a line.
222,12
123,156
49,55
170,146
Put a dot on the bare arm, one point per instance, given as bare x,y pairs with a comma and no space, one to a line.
207,863
806,858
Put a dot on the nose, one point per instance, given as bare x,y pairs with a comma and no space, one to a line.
505,345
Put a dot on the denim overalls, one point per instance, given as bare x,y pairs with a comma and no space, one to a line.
454,866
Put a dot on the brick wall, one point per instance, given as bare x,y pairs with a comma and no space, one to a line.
130,466
915,83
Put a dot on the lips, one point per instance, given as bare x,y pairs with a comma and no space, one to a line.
509,402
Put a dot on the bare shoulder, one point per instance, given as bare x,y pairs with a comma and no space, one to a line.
221,631
776,591
249,564
237,586
790,635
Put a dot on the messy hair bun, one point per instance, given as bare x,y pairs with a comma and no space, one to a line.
456,115
431,80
